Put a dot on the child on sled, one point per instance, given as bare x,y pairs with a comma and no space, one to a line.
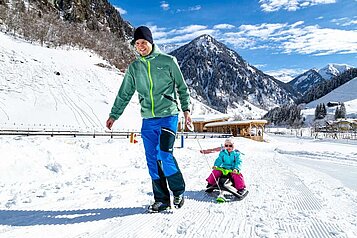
228,158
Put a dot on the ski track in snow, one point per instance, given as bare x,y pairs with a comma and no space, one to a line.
99,188
34,82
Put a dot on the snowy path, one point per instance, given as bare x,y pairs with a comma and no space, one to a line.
66,187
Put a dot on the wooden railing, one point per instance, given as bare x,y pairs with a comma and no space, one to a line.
112,134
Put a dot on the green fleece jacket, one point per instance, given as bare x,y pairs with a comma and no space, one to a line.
156,78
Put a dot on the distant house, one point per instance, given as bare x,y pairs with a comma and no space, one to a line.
252,129
332,104
199,123
342,125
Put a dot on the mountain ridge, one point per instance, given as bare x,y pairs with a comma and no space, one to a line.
220,77
312,77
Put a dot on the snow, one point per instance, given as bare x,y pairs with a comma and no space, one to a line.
99,187
82,91
346,93
245,110
302,78
331,70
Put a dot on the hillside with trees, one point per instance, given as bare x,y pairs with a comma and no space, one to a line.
323,88
95,25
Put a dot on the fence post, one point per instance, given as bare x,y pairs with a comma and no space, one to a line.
182,131
182,140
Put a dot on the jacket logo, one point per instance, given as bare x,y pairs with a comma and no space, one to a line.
160,68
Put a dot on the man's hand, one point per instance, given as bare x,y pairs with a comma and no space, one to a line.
188,120
235,171
110,123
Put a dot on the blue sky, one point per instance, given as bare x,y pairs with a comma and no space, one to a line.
273,35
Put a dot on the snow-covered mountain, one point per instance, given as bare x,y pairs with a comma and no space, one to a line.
312,77
223,80
332,70
305,81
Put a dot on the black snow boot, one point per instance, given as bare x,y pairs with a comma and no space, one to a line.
159,207
179,201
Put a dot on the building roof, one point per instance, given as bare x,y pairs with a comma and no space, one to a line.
210,118
226,123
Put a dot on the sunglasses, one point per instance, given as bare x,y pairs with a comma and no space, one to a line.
228,145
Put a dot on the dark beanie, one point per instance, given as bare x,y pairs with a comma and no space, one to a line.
142,32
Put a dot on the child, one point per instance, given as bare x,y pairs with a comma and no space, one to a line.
228,159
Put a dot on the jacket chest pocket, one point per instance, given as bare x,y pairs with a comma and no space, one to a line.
161,72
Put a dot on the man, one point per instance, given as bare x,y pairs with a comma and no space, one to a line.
156,77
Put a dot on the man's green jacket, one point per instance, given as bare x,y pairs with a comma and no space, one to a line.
156,78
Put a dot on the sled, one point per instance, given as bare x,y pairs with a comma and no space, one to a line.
225,184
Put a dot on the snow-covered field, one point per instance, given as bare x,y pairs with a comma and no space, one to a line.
61,89
99,187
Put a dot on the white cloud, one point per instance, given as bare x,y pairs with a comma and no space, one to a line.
345,21
223,26
190,9
290,5
321,41
184,38
120,10
238,41
263,31
195,8
294,38
157,32
189,29
285,75
298,23
165,6
182,35
352,22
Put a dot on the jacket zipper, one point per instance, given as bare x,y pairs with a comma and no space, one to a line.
151,87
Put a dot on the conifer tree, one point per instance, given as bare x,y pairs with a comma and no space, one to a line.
337,113
342,111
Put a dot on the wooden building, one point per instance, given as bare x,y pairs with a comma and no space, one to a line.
252,129
341,125
199,123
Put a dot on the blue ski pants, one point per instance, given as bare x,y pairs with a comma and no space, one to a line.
158,135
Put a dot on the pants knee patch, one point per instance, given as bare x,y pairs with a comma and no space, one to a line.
167,140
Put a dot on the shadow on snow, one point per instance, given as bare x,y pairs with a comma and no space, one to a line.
39,217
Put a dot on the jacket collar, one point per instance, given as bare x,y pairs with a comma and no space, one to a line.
154,53
227,153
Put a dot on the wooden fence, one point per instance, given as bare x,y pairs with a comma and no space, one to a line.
112,134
